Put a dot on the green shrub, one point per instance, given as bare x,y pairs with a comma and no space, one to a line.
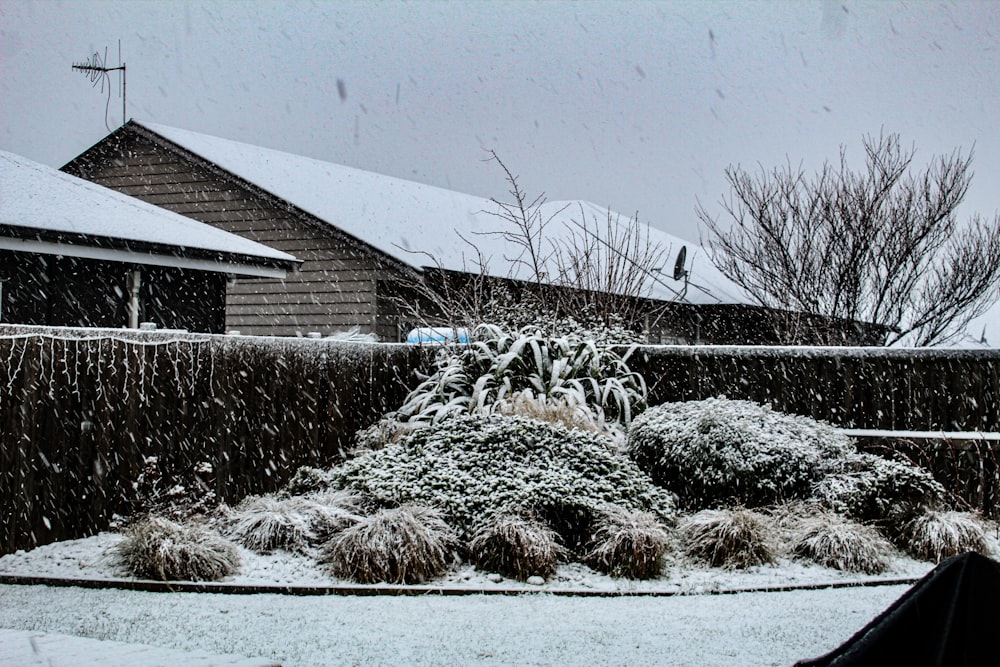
497,365
474,466
628,544
831,541
735,452
727,538
158,548
516,546
936,536
404,545
870,488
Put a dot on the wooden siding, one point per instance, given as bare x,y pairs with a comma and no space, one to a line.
335,288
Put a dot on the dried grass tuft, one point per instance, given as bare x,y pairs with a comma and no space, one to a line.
405,545
265,523
564,411
727,538
332,512
831,541
516,546
936,536
628,544
157,548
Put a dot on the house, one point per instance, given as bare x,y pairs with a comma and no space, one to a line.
73,253
365,240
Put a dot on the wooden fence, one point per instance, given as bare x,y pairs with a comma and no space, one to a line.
78,417
80,410
894,389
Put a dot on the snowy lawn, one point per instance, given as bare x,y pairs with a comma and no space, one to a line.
750,628
744,629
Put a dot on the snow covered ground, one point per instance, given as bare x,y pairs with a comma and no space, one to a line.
748,628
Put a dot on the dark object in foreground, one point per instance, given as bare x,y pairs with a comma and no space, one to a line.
950,617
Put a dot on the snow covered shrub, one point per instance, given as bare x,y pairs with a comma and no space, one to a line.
470,466
869,488
526,313
727,538
306,480
628,544
158,548
516,546
265,523
719,450
176,495
404,545
935,536
831,541
385,432
497,365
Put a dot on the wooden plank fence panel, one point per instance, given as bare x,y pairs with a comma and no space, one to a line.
81,411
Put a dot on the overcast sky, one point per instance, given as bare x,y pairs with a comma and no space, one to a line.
635,106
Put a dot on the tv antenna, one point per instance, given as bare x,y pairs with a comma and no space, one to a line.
96,69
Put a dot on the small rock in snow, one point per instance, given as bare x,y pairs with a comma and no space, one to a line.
536,581
494,577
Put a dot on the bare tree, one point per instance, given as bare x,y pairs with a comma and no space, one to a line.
599,270
879,247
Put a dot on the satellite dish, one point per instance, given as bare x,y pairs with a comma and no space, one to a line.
679,271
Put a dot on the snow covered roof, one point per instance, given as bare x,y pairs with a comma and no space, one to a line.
50,211
425,226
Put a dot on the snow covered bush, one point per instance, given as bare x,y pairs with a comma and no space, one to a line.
516,546
158,548
869,488
718,450
628,544
403,545
496,365
385,432
831,541
306,480
265,523
178,495
935,536
470,466
727,538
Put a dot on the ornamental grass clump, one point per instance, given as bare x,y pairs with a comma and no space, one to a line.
869,488
471,466
265,523
719,451
829,540
936,536
628,544
564,411
158,548
403,545
496,365
727,538
516,546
